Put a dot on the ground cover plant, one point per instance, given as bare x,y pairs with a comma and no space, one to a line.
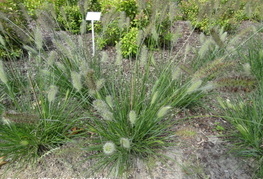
62,94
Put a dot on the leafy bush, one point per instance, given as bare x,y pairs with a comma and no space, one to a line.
70,18
129,46
12,29
205,14
148,18
128,6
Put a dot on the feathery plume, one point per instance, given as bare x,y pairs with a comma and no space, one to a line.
76,80
236,84
100,106
30,49
38,38
204,48
109,101
132,117
99,84
83,27
119,55
104,57
122,19
2,41
125,143
211,69
154,97
107,115
247,69
90,81
194,86
109,148
14,117
51,57
217,38
139,38
143,55
3,77
60,66
52,93
163,111
176,73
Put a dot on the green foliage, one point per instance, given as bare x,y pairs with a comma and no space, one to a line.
246,118
128,6
70,18
150,20
129,113
245,112
205,15
13,32
132,122
110,35
129,46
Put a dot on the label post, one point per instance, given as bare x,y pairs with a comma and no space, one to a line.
93,16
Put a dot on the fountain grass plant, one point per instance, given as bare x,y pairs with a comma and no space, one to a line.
245,112
133,121
35,117
128,111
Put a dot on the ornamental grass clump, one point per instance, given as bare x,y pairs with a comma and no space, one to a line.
132,120
244,110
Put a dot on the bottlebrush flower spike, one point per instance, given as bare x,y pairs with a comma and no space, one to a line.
109,148
125,143
3,77
163,111
132,117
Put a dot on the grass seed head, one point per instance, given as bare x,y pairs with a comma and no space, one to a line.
194,86
125,143
154,97
132,117
24,142
247,68
2,41
90,81
163,111
107,115
3,77
109,101
109,148
52,93
100,106
76,80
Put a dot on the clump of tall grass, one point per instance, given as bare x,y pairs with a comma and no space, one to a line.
244,111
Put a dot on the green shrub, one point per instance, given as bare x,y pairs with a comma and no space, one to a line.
129,46
13,32
70,18
150,19
205,14
128,6
110,34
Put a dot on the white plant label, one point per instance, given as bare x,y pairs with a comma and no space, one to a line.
93,16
